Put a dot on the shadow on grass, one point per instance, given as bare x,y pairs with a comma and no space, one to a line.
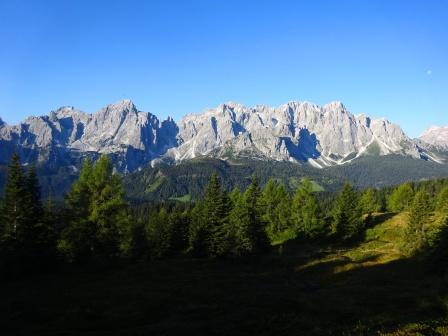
271,295
379,218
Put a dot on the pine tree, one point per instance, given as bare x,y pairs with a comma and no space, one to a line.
14,220
77,241
234,196
179,222
40,232
419,213
159,234
33,187
108,209
247,222
277,209
98,221
306,213
25,237
442,201
198,231
347,221
216,211
209,228
370,202
401,198
15,211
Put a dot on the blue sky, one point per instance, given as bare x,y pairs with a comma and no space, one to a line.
381,58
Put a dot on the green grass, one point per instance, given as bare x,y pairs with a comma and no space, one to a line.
294,183
369,288
184,198
154,185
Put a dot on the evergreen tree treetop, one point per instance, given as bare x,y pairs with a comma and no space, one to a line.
347,221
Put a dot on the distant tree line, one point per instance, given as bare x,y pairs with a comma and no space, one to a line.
97,224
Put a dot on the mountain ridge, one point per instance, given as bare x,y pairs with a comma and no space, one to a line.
301,132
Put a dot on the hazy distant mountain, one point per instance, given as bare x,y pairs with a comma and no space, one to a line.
436,136
299,132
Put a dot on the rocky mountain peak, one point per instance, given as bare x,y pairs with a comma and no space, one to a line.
301,132
296,131
124,105
436,136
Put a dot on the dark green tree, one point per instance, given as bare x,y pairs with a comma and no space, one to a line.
41,239
98,220
247,222
198,231
216,210
306,214
159,234
370,202
26,238
276,210
16,212
108,210
347,221
77,241
209,228
179,221
401,198
442,200
418,215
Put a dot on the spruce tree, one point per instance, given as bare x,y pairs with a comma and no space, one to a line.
240,243
216,214
347,221
16,206
25,236
41,232
98,221
15,218
159,234
419,212
78,239
370,202
108,209
198,231
179,222
306,214
401,198
276,209
442,201
34,193
248,223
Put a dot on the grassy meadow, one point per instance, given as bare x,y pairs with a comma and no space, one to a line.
369,288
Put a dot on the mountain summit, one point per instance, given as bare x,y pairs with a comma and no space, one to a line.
297,131
300,132
437,136
133,137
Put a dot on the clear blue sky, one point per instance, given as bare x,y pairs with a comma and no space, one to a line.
383,58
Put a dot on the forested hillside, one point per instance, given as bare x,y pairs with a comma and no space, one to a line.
266,258
188,179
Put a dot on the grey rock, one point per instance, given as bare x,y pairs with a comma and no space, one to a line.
133,137
300,132
436,136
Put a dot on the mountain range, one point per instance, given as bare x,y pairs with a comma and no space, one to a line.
299,132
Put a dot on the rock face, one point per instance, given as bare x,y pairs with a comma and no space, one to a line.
302,132
133,137
297,131
436,136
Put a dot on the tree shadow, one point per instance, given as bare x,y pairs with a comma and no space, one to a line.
380,296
